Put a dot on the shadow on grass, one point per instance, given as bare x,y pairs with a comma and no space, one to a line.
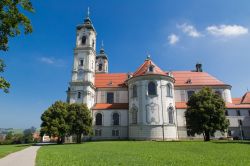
22,145
231,142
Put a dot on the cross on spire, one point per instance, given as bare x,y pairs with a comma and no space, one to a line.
148,56
88,13
102,45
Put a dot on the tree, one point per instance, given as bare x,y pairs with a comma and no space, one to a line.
205,114
11,23
54,121
28,134
80,120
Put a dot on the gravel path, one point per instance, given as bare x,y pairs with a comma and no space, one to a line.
26,157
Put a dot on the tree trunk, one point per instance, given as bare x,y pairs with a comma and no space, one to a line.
58,140
79,138
207,136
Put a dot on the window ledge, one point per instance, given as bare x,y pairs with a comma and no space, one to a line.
151,96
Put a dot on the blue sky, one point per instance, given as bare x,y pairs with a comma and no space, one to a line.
177,34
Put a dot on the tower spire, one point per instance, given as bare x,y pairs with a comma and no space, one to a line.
102,48
148,56
88,13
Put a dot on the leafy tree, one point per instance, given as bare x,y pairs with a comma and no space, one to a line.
28,134
205,114
12,20
80,120
9,135
54,121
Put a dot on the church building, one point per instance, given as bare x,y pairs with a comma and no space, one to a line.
148,104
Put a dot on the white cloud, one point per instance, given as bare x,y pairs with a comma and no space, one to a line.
227,30
52,61
173,39
47,60
190,30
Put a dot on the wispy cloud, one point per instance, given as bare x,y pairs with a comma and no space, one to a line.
173,39
190,30
47,60
227,30
52,61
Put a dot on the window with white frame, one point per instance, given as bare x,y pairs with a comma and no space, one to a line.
79,95
169,90
238,112
170,115
152,88
134,116
98,119
115,133
190,93
116,118
134,89
98,132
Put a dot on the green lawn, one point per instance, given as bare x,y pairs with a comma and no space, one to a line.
146,153
7,149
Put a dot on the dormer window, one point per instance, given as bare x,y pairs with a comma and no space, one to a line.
151,68
84,39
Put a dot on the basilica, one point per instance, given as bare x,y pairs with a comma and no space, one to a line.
148,104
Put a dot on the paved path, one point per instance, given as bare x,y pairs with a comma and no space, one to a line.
26,157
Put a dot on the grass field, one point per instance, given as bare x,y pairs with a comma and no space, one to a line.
146,153
7,149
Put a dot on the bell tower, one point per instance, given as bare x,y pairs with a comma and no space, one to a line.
81,89
102,61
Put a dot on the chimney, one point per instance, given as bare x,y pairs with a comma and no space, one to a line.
198,67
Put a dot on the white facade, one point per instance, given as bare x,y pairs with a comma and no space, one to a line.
145,104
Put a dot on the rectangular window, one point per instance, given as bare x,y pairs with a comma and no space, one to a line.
110,97
226,113
81,62
240,122
229,133
115,133
248,112
98,132
189,94
238,112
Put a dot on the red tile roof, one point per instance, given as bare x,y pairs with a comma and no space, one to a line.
103,106
183,105
106,80
246,98
189,78
237,106
236,100
143,69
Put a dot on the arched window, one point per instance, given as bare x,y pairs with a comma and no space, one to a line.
100,67
134,116
170,115
98,119
134,91
116,119
169,90
93,43
151,88
79,95
84,39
